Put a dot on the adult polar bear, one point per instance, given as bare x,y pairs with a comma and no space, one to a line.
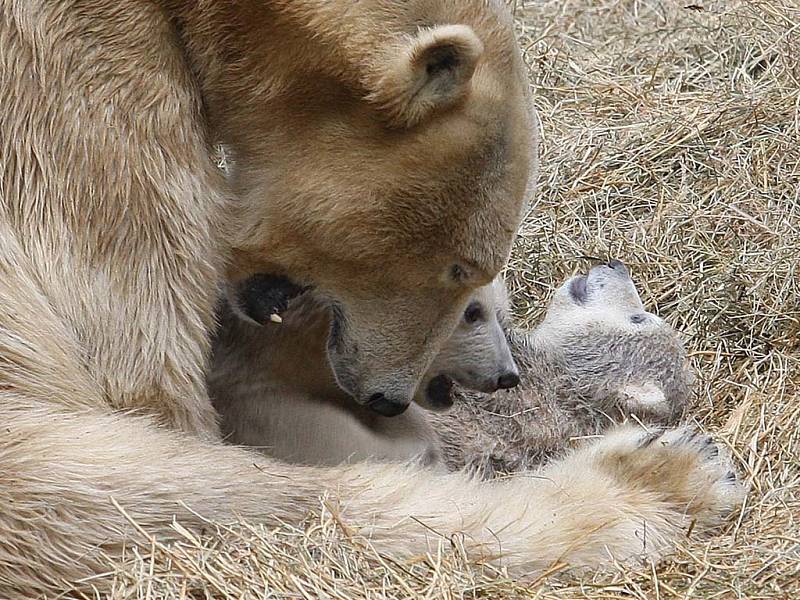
382,154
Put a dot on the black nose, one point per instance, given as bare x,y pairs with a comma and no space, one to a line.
617,265
388,407
508,380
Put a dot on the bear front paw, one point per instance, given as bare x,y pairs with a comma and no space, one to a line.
682,467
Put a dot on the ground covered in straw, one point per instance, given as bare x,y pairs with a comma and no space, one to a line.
672,141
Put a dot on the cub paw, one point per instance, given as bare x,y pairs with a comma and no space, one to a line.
682,467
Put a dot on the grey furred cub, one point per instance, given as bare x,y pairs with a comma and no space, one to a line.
597,358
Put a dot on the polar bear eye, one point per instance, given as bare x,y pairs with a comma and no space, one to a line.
474,313
638,318
458,273
468,274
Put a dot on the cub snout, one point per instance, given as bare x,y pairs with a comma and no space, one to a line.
505,380
387,406
613,268
618,267
508,380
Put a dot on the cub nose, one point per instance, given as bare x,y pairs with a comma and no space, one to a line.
615,264
508,380
387,407
618,266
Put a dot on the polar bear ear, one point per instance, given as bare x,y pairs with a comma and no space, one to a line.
428,72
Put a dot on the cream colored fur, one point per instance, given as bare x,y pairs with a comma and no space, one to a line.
601,501
114,229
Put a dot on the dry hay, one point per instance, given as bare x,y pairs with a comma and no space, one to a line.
672,141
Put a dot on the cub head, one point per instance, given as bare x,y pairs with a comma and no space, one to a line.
477,355
605,298
394,192
598,333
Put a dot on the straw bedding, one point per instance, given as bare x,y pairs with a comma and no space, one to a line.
671,139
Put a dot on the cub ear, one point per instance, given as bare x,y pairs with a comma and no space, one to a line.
431,71
648,396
